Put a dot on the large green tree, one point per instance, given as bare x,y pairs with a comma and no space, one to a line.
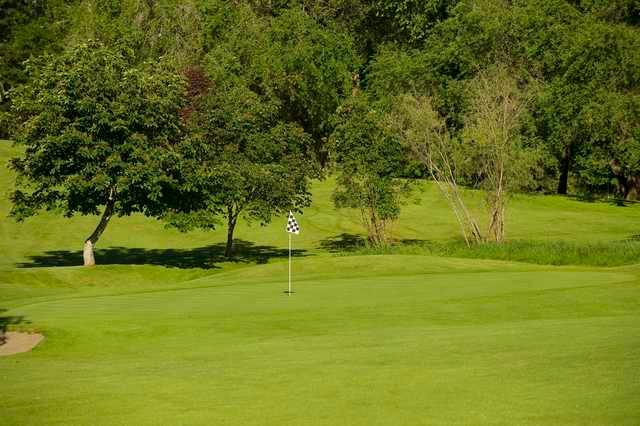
242,159
95,132
307,67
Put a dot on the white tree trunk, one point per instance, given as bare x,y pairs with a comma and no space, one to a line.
89,243
87,254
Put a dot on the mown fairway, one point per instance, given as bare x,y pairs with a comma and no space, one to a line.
165,332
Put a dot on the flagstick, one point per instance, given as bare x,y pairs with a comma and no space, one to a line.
289,264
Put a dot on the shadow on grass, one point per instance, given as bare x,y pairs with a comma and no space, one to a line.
200,257
594,198
6,321
343,242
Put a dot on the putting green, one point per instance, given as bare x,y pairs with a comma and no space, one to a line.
364,340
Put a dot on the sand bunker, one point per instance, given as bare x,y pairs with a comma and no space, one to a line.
16,342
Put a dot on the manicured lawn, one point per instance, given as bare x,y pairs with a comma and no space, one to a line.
164,331
418,340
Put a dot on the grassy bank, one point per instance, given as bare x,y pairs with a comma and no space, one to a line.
610,253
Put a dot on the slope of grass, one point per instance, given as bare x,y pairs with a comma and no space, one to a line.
165,331
51,240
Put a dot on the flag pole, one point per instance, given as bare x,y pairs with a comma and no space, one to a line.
289,264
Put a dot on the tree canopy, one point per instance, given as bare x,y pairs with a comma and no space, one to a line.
302,86
96,131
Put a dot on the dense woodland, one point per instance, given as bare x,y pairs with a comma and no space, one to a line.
200,112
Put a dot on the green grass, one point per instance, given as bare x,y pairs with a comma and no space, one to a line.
391,340
611,253
164,331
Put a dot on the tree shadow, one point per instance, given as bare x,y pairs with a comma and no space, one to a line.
343,242
585,197
6,321
414,242
595,198
620,202
200,257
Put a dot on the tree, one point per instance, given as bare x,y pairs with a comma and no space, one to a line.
610,152
426,134
308,68
151,28
96,131
498,157
411,21
369,161
27,28
241,159
313,73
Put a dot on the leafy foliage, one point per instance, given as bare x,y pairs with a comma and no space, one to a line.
308,68
369,160
296,84
241,158
96,130
412,20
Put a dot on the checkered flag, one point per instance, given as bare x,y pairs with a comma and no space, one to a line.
292,225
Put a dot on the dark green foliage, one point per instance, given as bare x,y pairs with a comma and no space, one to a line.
27,29
411,21
242,158
314,72
370,161
93,126
308,68
627,11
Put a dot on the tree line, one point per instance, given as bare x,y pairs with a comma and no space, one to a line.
202,112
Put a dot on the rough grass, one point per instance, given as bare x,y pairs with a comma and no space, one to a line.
610,253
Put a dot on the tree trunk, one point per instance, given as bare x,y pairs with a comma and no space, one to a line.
496,226
623,187
564,171
628,186
232,218
634,188
90,243
497,202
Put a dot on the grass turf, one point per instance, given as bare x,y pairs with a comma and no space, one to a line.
423,341
166,332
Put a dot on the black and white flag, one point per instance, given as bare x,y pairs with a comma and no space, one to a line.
292,225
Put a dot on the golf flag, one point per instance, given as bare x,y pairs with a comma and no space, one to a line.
292,228
292,225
